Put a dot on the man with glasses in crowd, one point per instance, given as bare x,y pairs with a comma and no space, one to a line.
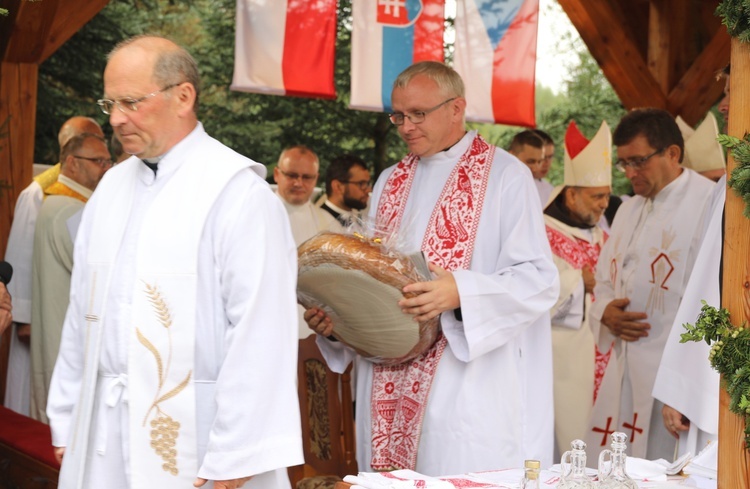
348,187
84,159
18,254
642,273
178,357
481,396
295,175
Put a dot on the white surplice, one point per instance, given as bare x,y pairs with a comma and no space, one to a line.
306,221
685,380
573,343
18,254
648,259
245,342
490,404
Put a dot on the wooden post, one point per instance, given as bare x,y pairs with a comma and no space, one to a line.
734,459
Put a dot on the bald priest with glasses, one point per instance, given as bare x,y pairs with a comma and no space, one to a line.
178,360
481,396
641,275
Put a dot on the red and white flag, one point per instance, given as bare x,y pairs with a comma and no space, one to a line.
285,47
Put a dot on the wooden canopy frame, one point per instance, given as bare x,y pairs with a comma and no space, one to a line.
657,53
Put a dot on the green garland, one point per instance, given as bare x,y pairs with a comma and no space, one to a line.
739,181
735,15
730,356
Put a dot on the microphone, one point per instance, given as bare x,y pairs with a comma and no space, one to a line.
6,272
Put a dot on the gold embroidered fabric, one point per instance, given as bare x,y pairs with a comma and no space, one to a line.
317,408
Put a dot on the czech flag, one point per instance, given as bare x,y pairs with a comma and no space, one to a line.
285,47
388,36
495,54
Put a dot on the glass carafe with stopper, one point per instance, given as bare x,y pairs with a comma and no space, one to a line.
532,468
573,466
612,473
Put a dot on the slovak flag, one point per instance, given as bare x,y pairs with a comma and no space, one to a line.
495,54
285,47
388,36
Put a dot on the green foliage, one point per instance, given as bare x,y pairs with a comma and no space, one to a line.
735,16
739,180
730,356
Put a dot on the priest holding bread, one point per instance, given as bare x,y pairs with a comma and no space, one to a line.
479,397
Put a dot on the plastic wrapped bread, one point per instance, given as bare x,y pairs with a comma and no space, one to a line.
358,283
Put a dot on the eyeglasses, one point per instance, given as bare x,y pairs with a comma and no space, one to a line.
416,117
99,161
362,184
298,176
636,163
131,104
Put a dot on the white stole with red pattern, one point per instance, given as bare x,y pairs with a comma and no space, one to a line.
399,392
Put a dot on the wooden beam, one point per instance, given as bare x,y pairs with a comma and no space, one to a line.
30,30
616,53
734,459
697,90
69,19
18,90
667,28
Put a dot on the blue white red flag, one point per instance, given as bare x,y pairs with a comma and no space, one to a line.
387,37
495,53
285,47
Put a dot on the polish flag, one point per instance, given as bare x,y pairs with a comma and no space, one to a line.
285,47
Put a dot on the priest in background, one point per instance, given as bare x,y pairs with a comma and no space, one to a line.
18,254
348,187
295,175
703,153
84,160
572,221
641,277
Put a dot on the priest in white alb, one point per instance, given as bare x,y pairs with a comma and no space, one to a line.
686,383
571,219
481,397
18,254
641,277
295,175
177,366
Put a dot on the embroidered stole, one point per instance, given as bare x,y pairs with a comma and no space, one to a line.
399,392
48,177
161,399
577,252
59,188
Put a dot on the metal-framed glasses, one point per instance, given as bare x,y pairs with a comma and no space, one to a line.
636,163
129,104
299,176
416,117
362,184
99,161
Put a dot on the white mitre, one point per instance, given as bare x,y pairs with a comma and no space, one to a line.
588,163
702,151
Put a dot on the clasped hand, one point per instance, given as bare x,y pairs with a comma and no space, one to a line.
626,325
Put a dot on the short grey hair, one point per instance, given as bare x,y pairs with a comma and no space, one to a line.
446,78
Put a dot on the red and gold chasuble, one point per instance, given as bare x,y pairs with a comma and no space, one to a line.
399,392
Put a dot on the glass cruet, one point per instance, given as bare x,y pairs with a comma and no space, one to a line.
573,467
612,472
